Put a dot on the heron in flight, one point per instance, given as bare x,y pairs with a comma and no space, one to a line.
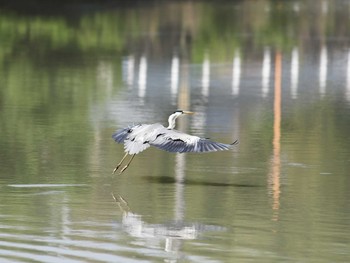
139,137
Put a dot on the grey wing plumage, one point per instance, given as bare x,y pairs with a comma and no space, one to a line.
121,135
137,138
205,145
175,141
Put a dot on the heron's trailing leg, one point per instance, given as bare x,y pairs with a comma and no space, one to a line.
120,163
127,165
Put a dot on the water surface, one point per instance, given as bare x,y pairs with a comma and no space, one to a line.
274,75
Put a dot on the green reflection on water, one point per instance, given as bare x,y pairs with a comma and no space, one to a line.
221,30
45,110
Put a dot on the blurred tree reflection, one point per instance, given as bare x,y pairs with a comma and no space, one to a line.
220,30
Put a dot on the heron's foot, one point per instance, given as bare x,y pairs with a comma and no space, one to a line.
115,169
120,163
124,168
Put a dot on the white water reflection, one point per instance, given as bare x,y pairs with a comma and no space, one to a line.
180,166
294,73
296,7
106,75
324,6
175,74
348,79
128,67
142,83
323,70
236,73
266,72
176,71
205,76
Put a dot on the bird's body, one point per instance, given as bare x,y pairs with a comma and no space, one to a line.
139,137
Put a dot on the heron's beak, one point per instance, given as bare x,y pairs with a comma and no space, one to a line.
188,112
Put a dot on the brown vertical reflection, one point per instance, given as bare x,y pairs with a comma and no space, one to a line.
180,161
274,178
183,102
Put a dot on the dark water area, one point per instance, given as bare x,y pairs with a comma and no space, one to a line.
273,74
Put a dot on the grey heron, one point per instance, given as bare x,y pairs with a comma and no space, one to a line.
139,137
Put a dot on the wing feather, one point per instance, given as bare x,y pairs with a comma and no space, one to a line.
122,134
176,141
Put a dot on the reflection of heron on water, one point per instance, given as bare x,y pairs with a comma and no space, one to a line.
172,231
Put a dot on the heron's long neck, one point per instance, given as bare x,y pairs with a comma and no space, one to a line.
171,121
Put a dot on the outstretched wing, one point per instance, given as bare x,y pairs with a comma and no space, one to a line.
121,135
176,141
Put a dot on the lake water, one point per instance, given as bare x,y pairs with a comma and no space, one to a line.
273,74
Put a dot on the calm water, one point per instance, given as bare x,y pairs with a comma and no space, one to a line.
275,75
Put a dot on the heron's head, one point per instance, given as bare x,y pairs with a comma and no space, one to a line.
180,112
175,115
